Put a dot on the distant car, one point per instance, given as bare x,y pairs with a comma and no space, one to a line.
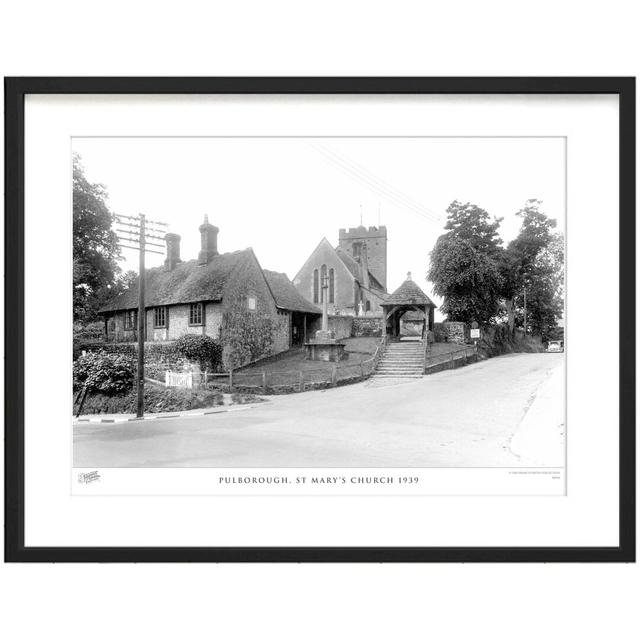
555,346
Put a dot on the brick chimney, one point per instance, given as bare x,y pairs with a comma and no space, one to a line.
173,250
208,240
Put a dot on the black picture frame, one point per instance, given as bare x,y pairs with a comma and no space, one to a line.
15,91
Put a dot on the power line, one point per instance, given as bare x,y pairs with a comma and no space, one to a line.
396,195
383,184
381,187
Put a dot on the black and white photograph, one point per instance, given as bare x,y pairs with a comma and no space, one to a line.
281,325
322,302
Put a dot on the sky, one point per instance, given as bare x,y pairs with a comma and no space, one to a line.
281,196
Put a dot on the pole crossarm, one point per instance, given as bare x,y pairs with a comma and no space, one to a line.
160,253
134,237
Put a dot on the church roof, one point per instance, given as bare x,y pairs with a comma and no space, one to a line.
355,269
286,295
373,282
408,293
349,262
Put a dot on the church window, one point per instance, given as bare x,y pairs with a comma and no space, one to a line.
367,306
315,285
332,284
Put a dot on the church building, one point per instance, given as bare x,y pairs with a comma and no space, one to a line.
356,271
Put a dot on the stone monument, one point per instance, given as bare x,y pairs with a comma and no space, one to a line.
325,346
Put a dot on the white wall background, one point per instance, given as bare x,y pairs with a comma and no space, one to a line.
331,38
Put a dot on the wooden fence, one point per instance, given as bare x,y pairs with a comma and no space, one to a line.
290,381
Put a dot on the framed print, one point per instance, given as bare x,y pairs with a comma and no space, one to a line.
320,319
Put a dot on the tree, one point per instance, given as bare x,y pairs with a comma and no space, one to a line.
535,235
534,263
465,264
511,283
95,246
123,282
545,291
473,224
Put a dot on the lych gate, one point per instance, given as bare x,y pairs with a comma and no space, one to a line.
408,297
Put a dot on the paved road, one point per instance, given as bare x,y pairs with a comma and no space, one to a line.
465,417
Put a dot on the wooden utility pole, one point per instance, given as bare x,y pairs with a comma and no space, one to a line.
139,232
142,316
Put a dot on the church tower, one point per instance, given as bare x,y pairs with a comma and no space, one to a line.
369,245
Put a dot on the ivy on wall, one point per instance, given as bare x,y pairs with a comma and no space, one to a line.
249,320
246,337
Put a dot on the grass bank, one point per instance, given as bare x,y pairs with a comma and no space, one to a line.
160,399
498,340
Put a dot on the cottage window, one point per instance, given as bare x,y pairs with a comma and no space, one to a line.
367,307
160,317
195,313
332,284
251,303
315,286
130,320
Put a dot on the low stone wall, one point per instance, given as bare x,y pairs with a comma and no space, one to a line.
340,325
367,326
456,332
451,364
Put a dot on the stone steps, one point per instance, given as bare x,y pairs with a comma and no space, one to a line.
406,365
399,374
401,360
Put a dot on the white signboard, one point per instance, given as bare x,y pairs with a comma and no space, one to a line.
475,333
172,379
